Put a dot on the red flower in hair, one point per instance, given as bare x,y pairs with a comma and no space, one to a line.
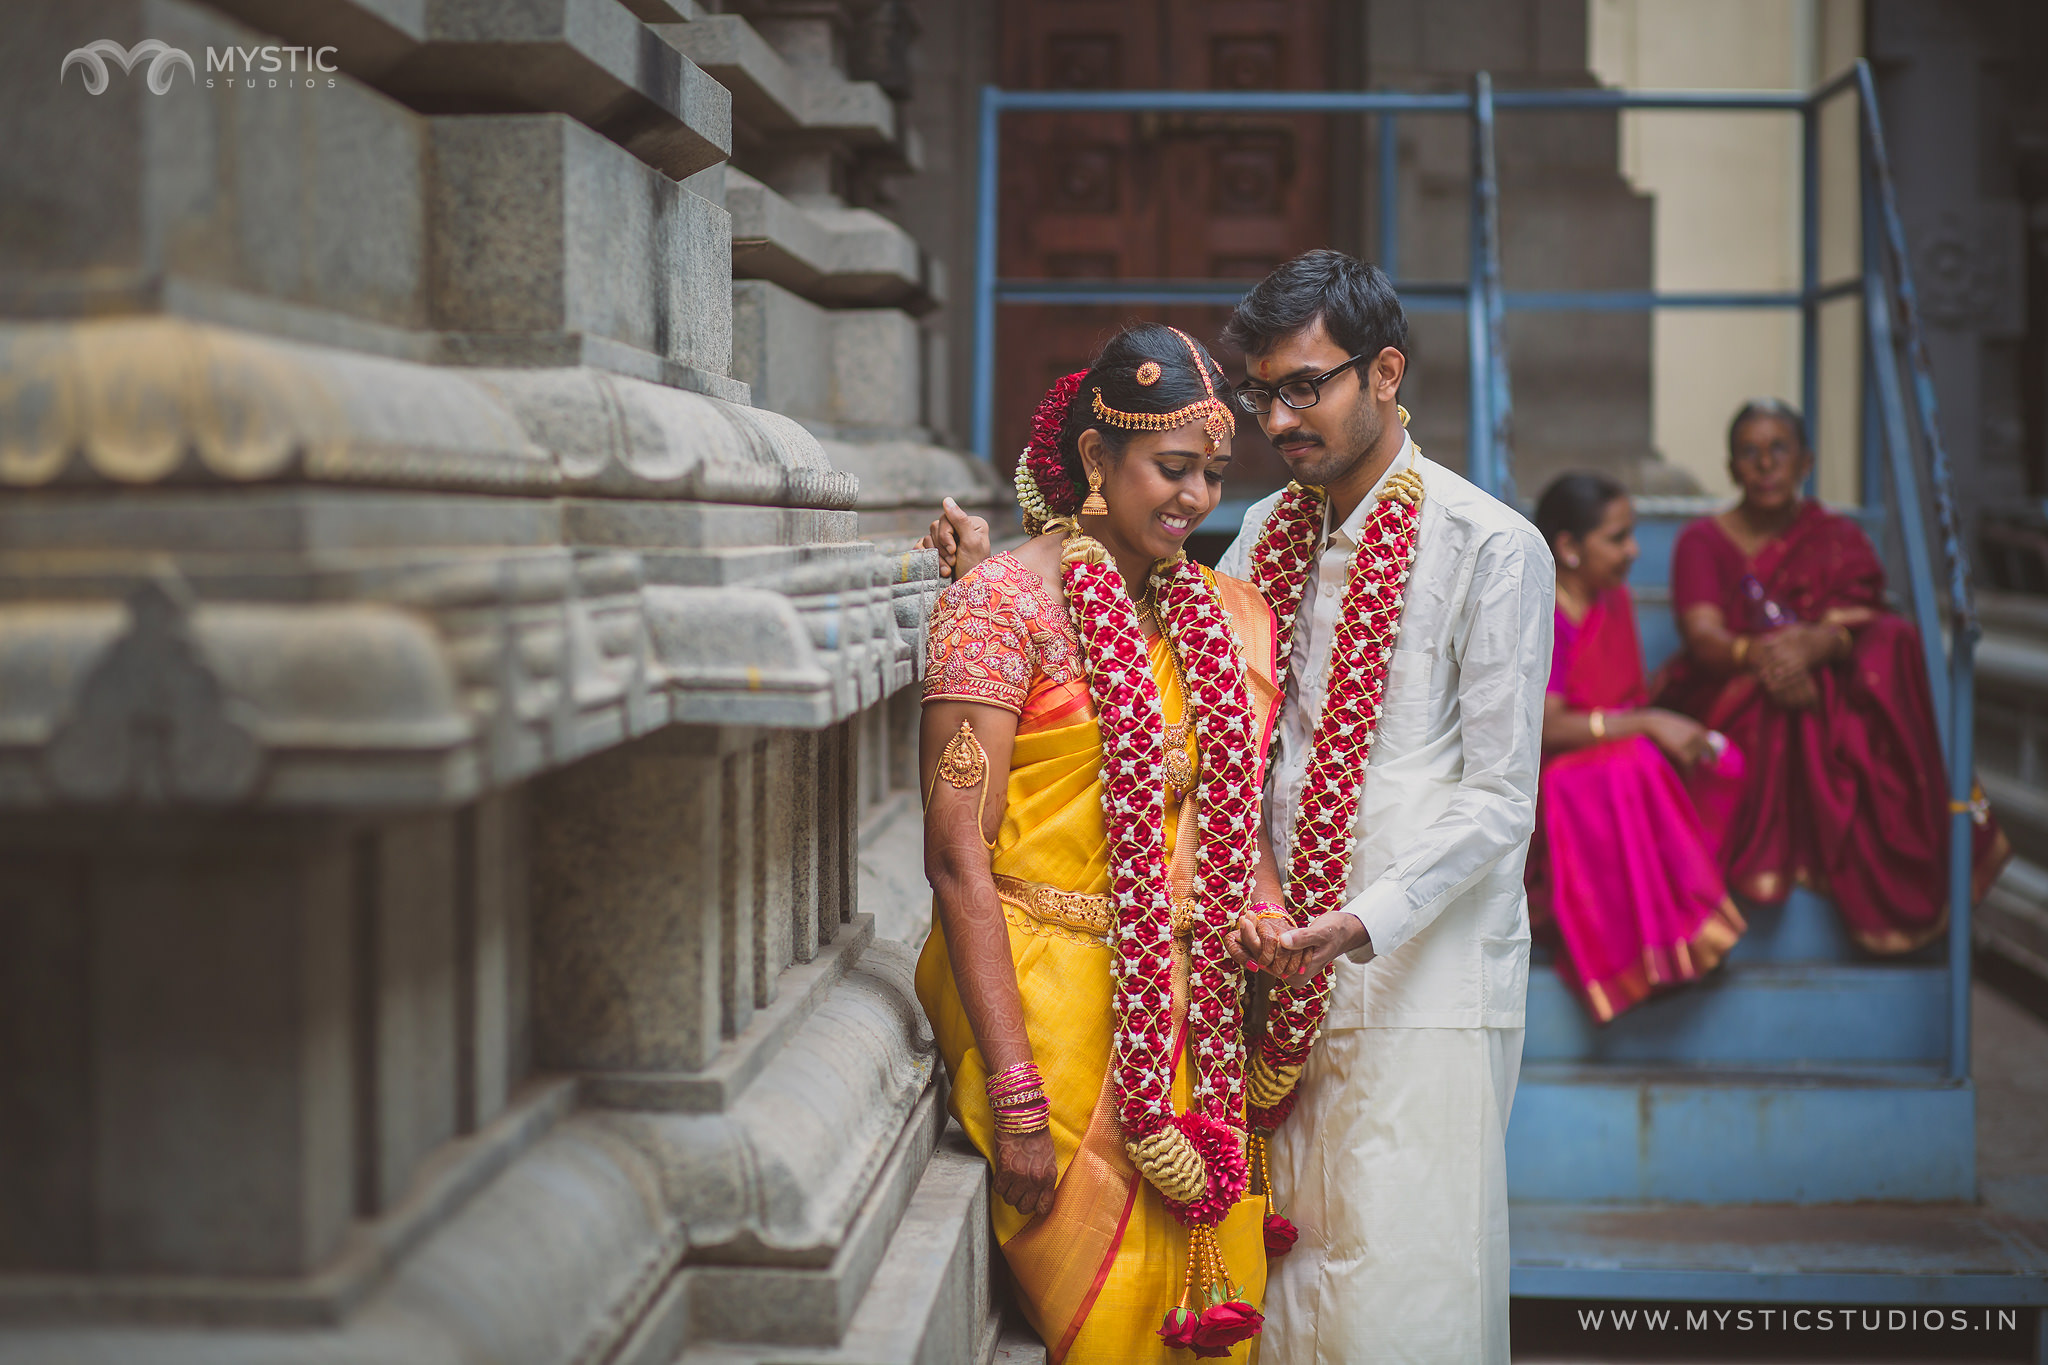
1042,456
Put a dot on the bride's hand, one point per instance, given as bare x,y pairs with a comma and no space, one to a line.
1026,1171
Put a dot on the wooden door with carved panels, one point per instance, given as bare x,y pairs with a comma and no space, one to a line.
1152,196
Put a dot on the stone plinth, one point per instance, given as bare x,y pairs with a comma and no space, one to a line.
437,713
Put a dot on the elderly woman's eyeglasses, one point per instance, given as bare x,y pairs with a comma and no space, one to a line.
1295,393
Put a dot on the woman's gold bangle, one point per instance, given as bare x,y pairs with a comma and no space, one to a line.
1739,651
1597,722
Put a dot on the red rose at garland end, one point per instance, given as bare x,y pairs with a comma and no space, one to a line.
1280,1235
1178,1331
1223,1327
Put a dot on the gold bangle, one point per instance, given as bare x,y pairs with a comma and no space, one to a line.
1597,722
1739,651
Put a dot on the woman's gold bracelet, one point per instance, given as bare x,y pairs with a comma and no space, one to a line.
1597,723
1739,651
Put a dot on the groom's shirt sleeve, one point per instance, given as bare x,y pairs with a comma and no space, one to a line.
1502,643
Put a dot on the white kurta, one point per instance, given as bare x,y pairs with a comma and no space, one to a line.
1394,1162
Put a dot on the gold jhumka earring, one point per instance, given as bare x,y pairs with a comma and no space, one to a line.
1096,505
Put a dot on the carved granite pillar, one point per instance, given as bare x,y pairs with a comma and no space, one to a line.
429,686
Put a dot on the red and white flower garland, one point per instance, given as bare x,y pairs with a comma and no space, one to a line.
1197,1158
1320,860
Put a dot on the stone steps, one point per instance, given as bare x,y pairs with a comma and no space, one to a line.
928,1301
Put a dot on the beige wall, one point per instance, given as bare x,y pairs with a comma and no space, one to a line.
1727,188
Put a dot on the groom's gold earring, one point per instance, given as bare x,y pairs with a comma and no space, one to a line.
1096,505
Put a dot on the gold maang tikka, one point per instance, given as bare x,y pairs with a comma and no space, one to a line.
1218,422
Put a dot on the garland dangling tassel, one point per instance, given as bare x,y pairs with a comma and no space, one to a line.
1210,1317
1280,1234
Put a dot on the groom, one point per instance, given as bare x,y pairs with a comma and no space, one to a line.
1393,1161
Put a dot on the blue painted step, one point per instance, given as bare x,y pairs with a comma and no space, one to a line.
1946,1254
1732,1135
1804,929
1773,1013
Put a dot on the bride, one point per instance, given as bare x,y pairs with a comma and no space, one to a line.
1096,714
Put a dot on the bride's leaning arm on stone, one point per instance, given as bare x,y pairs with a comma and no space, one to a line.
964,759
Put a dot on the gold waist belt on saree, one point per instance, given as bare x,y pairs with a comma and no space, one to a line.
1075,910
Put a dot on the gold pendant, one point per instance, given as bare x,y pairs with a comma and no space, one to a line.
1180,772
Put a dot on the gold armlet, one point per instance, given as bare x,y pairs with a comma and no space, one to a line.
963,763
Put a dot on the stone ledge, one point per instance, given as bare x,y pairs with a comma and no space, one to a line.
814,1306
915,475
177,401
502,1281
450,1176
594,60
929,1300
780,1176
798,992
838,257
477,674
772,97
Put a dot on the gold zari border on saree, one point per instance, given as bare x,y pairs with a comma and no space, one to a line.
1053,910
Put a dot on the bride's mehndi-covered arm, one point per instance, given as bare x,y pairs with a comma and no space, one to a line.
1256,945
964,757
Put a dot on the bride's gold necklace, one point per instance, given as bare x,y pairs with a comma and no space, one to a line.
1180,769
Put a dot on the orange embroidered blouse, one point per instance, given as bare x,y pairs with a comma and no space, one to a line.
993,632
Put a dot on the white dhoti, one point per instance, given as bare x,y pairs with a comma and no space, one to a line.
1394,1167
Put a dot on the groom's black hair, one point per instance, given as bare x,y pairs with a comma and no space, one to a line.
1354,299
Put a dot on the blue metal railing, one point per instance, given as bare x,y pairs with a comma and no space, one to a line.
1901,434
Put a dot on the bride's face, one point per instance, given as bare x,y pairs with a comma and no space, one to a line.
1159,491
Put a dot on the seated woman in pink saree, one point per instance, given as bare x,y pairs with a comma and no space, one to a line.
1791,652
1620,866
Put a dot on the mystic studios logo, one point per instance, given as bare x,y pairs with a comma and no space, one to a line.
268,67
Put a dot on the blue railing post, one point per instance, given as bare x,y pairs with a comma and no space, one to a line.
1499,403
1961,844
1389,170
1478,352
987,172
1954,686
1905,500
1809,275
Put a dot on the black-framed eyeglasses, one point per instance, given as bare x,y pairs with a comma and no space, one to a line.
1295,393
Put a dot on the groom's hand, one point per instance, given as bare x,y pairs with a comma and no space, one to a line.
961,539
1305,951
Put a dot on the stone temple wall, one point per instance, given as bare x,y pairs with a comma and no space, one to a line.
457,647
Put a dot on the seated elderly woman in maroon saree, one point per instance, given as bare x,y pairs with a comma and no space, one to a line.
1790,651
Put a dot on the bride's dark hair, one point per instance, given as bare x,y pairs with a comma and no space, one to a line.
1116,373
1145,371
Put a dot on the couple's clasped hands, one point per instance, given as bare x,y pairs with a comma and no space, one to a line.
1270,944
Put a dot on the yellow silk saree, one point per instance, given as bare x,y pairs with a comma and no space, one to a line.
1095,1275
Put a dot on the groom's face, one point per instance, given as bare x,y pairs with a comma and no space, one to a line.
1322,442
